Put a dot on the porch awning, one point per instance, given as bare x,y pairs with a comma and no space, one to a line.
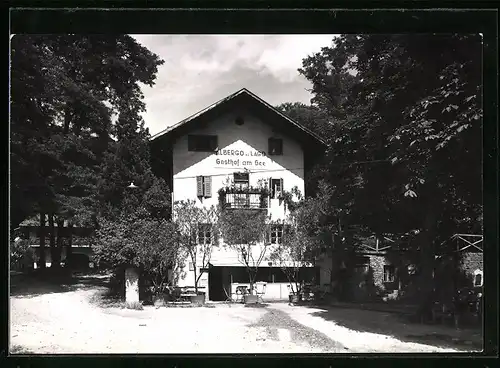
263,264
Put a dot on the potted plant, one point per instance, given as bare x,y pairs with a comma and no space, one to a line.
158,296
198,298
294,297
250,298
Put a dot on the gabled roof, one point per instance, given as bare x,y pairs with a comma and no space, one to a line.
243,95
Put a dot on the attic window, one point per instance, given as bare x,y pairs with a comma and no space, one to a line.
202,143
239,121
275,146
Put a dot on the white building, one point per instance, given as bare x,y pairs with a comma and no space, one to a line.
242,139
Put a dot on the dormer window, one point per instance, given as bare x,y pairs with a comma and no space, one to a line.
202,143
275,146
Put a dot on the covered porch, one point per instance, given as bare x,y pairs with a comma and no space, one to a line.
224,280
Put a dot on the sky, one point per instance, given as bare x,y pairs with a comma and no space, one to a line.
202,69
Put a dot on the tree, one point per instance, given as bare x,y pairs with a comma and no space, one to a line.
64,91
138,240
197,230
294,252
243,231
309,116
21,254
412,114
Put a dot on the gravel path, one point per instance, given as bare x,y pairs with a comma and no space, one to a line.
355,341
279,326
65,322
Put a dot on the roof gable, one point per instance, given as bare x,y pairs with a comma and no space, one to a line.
259,107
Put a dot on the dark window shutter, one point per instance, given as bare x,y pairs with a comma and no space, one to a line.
281,185
199,186
207,181
271,190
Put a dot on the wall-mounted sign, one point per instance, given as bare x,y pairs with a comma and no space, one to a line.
242,158
239,152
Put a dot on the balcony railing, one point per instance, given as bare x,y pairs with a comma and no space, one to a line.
244,200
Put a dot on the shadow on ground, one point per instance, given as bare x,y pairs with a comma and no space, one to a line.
28,285
399,326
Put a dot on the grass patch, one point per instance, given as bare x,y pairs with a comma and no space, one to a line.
18,349
107,299
256,305
134,305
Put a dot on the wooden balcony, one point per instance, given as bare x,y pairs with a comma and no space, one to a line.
244,200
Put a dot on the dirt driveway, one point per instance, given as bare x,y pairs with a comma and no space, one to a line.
66,321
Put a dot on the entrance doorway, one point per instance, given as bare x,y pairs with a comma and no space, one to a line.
216,283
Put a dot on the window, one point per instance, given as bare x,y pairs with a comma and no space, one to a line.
202,143
388,273
276,234
276,187
204,186
275,146
478,278
241,179
204,234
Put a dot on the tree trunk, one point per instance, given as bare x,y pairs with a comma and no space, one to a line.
42,241
67,120
195,279
70,242
334,260
59,242
251,278
427,254
53,249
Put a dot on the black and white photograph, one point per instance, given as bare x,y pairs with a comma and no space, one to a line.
246,193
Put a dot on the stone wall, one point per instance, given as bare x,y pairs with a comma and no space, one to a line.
377,263
471,262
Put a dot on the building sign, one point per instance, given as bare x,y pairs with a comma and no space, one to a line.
239,157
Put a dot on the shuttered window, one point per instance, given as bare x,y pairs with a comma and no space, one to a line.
275,187
207,186
199,186
204,186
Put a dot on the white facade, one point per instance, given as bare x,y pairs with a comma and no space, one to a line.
242,145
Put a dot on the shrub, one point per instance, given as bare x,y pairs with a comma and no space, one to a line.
21,254
134,305
137,240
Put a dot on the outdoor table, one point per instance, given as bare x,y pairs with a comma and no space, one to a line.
242,290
